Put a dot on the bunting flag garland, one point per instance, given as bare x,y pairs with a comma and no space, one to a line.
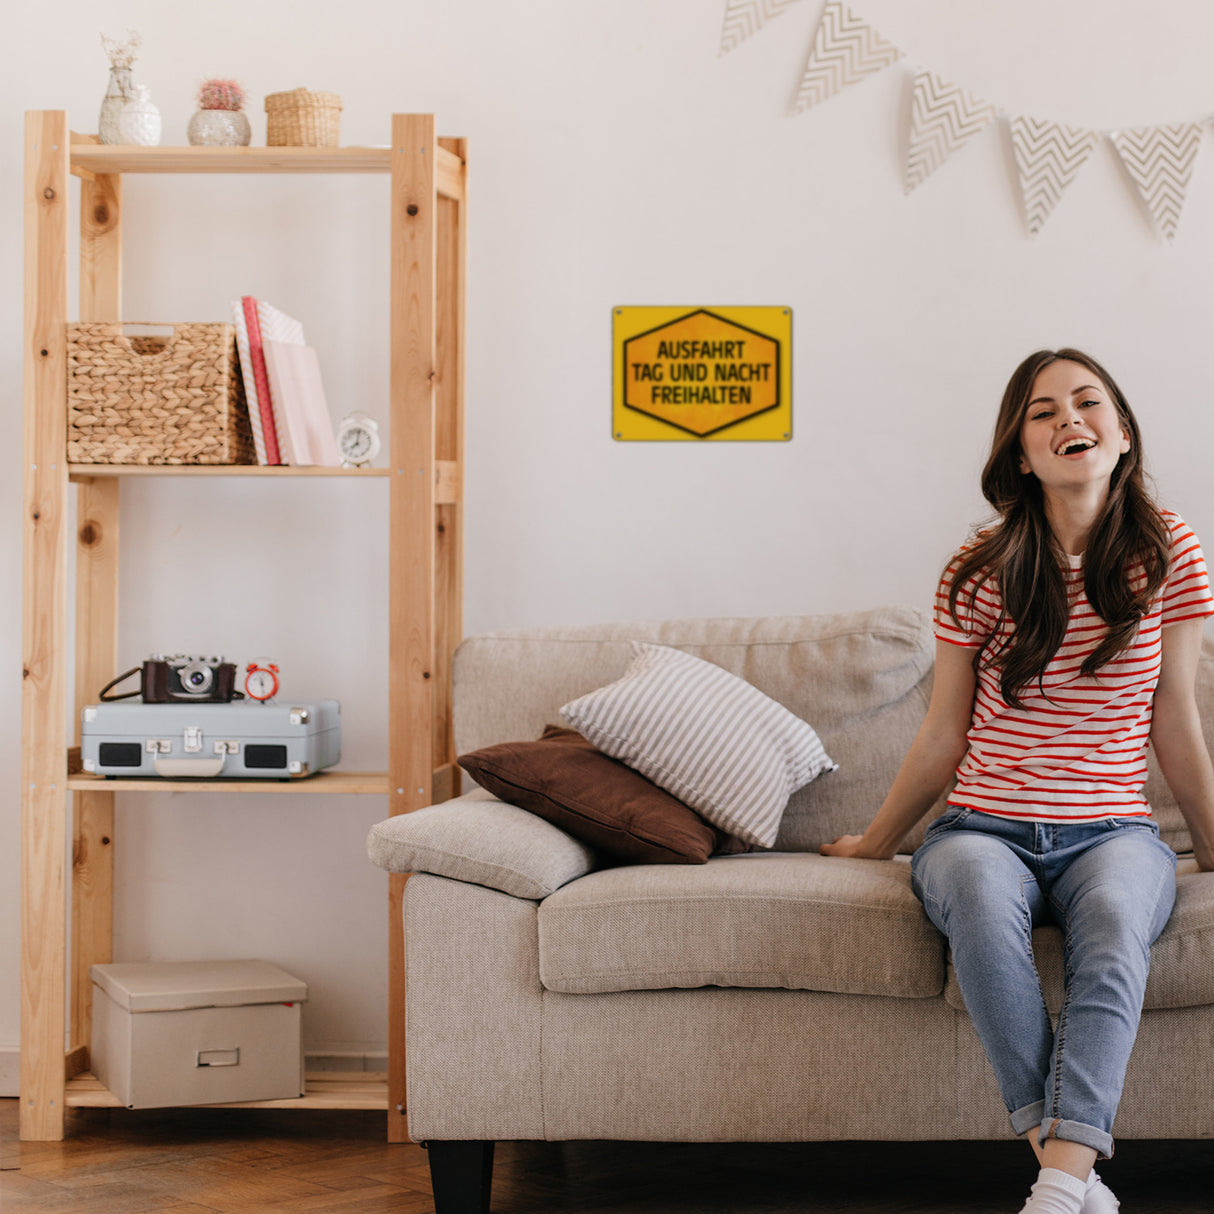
1049,157
846,49
1160,160
944,117
746,17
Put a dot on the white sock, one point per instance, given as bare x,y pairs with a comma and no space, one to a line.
1098,1197
1056,1192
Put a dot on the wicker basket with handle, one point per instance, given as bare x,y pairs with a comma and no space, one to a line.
156,400
302,119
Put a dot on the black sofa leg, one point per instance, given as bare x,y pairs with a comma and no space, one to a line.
461,1174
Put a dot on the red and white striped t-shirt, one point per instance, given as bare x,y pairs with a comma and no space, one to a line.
1078,752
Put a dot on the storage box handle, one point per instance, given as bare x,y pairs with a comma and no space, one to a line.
217,1057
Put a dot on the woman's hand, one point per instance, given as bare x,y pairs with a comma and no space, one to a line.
847,845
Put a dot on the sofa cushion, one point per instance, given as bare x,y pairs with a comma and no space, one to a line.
1182,959
708,737
799,922
479,839
598,799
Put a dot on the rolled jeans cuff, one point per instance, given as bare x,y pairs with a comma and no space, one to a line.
1029,1117
1075,1131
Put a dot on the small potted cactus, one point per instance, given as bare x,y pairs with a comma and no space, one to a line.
220,120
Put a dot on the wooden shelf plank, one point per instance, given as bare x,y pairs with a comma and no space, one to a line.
331,782
124,158
447,473
79,472
324,1090
95,158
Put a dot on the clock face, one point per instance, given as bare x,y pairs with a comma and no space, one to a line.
355,443
358,439
261,684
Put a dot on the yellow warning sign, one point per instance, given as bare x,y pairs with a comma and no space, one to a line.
702,373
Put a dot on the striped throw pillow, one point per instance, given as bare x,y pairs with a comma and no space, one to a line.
709,738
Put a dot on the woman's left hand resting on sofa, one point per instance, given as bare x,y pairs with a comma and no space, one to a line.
933,758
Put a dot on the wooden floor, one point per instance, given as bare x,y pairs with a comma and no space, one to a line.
196,1161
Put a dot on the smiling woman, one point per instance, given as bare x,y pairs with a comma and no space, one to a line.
1067,637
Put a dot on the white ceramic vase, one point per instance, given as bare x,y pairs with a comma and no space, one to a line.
139,122
119,92
219,128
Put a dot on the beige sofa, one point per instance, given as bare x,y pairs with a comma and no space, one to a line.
766,996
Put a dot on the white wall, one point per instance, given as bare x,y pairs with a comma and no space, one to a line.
616,160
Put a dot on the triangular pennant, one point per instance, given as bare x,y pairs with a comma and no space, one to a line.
1160,160
846,49
1049,156
746,17
943,118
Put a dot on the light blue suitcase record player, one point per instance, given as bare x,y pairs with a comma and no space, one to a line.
240,739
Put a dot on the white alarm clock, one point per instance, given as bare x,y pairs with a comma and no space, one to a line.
261,681
357,440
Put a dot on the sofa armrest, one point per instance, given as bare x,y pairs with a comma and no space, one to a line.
483,841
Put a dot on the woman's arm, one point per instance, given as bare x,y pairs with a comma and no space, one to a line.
1176,735
938,748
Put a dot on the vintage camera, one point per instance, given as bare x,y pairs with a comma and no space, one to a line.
182,677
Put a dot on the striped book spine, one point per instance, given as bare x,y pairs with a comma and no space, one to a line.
258,358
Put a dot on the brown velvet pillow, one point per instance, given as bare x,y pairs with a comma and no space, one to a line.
599,800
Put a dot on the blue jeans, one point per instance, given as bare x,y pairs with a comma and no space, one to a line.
986,882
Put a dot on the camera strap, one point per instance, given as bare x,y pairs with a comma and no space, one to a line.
126,695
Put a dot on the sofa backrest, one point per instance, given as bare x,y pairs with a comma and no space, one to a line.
862,679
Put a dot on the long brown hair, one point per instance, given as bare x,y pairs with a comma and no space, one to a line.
1022,555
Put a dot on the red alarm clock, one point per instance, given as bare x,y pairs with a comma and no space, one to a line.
261,680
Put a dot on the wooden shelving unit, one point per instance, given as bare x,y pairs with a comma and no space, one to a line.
426,232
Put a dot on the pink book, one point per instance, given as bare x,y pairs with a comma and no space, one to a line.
305,429
257,360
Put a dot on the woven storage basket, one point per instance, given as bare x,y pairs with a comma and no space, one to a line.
156,400
302,119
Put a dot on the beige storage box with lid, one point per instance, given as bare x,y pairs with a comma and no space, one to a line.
197,1032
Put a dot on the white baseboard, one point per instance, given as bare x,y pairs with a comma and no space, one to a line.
10,1070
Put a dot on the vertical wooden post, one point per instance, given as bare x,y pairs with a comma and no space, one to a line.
449,445
411,509
96,620
43,754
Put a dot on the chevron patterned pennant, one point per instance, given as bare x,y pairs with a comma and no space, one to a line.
846,49
1048,157
746,17
1160,160
944,117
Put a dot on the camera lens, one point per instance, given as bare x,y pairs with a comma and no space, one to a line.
196,678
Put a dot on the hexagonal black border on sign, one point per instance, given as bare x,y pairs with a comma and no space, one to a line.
666,325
